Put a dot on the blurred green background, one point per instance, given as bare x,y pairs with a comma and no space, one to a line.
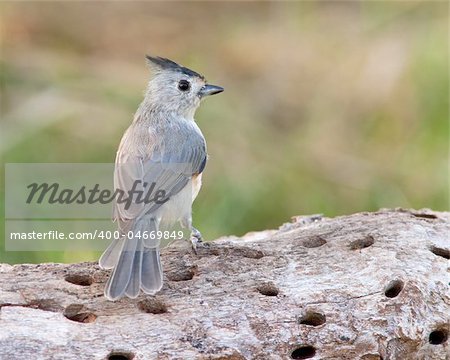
330,107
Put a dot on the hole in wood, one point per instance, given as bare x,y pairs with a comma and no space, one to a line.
314,241
371,357
312,318
248,253
393,288
362,243
268,289
79,279
438,336
152,306
425,216
253,254
83,317
183,274
120,356
445,253
78,313
303,352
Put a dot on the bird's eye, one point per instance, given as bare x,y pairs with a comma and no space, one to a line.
184,85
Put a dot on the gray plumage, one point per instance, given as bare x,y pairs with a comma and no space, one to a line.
163,146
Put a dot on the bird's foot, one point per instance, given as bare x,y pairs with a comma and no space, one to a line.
196,238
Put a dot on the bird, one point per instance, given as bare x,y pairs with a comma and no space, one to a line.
164,147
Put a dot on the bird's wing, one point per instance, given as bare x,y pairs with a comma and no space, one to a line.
169,168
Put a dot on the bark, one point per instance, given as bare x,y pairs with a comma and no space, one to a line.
364,286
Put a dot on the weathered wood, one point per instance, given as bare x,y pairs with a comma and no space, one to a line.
365,286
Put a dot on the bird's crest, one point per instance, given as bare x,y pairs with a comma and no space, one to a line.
166,64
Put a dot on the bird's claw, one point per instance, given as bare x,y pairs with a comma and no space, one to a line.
196,238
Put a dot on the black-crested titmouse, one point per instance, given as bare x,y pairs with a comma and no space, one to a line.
164,147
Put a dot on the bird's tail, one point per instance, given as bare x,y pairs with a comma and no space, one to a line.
135,261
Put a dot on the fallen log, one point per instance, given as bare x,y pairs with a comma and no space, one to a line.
366,286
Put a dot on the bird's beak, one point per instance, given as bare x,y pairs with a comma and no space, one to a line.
210,90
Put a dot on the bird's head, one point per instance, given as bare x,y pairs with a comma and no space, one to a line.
175,88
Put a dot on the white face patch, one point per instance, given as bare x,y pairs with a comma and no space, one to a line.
175,92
